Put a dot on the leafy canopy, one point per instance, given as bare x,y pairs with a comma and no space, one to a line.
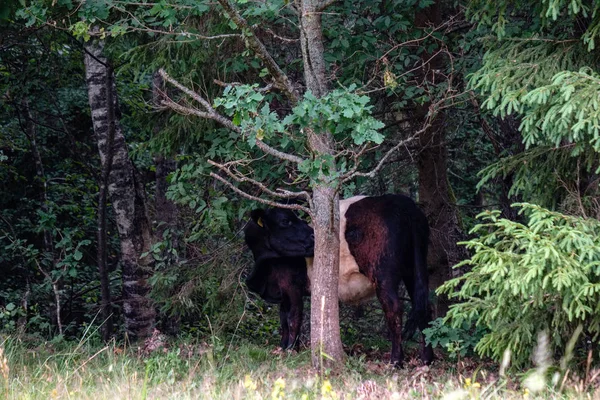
343,113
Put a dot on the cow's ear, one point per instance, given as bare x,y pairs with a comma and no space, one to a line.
257,217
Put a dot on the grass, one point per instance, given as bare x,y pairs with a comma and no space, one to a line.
198,370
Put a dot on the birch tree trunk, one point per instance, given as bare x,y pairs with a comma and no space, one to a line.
126,193
326,344
102,250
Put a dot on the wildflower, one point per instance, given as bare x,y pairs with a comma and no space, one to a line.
278,390
469,384
389,79
326,388
327,392
249,383
526,393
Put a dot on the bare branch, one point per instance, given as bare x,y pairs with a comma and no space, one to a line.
259,199
281,79
283,39
225,84
184,110
186,34
281,193
353,174
290,194
279,154
190,93
145,28
211,113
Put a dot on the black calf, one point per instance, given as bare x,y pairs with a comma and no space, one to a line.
277,277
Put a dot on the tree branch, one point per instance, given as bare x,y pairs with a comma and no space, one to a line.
225,84
281,79
279,154
281,193
211,113
353,174
283,39
259,199
167,102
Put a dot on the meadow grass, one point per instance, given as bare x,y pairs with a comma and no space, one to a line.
188,369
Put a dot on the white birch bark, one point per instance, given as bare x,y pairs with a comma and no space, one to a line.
126,193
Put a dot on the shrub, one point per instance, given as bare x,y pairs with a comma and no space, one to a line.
525,278
457,341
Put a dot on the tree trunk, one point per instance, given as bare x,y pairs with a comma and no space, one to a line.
102,251
105,301
432,162
126,193
326,344
440,208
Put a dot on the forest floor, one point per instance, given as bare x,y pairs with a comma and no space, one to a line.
217,370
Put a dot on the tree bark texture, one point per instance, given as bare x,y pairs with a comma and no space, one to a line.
102,251
126,193
326,343
435,192
105,301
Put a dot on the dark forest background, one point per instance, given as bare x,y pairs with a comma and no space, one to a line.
112,221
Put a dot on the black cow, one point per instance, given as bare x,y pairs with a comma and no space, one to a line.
383,240
279,275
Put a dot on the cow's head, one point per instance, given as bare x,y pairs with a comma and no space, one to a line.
278,232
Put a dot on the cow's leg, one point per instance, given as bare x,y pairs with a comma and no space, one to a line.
284,311
421,321
426,350
387,293
295,317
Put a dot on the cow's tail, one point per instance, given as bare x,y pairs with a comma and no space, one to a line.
419,316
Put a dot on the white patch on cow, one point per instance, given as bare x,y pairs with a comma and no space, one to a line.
353,287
